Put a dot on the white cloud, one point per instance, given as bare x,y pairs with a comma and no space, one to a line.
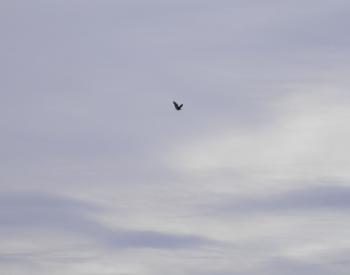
306,140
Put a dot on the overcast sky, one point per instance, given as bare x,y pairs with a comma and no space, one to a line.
100,174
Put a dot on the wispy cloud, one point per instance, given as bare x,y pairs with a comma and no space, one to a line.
44,212
314,198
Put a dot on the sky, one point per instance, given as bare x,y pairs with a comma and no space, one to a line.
101,175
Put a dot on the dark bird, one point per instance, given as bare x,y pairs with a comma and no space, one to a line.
177,106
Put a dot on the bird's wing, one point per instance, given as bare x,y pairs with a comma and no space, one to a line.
175,104
181,106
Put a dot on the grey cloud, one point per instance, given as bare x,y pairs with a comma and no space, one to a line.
313,198
294,267
15,258
151,239
291,267
278,265
68,66
58,214
86,90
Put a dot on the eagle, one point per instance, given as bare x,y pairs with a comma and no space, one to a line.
177,106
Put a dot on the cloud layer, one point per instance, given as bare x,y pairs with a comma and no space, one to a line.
101,176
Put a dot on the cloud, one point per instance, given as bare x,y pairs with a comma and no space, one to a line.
51,213
293,267
305,140
314,198
86,113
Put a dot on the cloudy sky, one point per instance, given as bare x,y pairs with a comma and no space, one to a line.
100,175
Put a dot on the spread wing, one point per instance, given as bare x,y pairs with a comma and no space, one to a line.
181,106
176,105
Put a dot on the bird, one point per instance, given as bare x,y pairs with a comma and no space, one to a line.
177,106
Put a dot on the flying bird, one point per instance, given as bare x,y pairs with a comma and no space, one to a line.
177,106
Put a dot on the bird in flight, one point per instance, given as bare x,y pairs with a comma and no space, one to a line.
177,106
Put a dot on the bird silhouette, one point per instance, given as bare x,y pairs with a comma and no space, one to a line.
177,106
